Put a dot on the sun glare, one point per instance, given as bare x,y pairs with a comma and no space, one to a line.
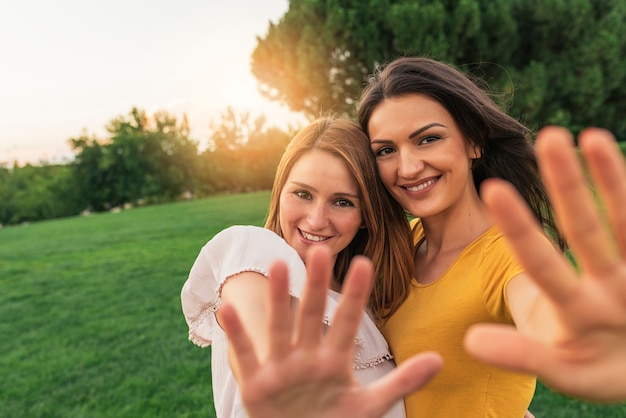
239,90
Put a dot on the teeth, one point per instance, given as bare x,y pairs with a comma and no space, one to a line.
310,237
420,186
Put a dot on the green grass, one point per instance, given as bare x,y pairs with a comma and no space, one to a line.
91,318
547,404
91,324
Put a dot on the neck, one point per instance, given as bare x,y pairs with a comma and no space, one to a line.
456,228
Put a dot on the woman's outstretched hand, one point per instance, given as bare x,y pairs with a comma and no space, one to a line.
578,343
307,374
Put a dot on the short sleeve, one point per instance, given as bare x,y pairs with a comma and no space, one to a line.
500,266
233,250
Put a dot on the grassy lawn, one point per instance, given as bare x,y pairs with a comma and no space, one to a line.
91,319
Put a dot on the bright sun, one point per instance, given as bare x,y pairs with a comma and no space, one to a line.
238,89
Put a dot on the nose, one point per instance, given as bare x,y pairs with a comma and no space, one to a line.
317,216
410,163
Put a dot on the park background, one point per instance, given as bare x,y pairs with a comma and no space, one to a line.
95,245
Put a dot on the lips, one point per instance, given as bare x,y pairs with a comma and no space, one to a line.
312,237
420,186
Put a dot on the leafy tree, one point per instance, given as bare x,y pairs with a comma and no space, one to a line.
34,193
548,61
143,159
242,153
571,66
175,164
5,194
91,172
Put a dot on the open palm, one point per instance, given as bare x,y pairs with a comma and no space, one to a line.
577,341
306,373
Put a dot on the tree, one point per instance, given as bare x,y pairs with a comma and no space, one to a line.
175,165
243,153
547,61
34,193
574,74
145,158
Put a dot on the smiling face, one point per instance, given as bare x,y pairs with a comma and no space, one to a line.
423,158
319,204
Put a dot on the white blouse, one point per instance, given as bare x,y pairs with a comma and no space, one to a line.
251,248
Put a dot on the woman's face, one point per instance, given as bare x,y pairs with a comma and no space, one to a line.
319,204
423,158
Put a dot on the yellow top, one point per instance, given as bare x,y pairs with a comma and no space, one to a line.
435,317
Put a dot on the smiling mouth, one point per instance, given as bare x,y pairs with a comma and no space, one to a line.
314,238
420,186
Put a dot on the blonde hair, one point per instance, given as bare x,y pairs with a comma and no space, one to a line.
386,238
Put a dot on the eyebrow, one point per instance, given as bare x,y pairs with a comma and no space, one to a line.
338,194
411,135
423,128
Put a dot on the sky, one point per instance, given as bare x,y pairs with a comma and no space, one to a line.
70,66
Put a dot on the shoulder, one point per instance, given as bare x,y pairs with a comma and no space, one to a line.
493,245
498,263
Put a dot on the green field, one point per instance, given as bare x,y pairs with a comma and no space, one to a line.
91,319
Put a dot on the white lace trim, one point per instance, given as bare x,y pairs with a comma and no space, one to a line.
211,308
359,363
359,345
199,320
374,361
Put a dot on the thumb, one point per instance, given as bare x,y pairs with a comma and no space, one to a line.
504,346
407,378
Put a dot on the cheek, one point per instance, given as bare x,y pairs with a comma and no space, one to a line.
352,224
386,174
285,215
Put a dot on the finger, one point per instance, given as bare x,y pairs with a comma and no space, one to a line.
408,377
280,314
503,346
354,293
537,254
572,373
572,200
608,170
311,308
239,342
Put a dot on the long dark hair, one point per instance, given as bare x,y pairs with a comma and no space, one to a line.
506,145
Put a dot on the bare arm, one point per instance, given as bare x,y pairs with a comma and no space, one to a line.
247,295
584,355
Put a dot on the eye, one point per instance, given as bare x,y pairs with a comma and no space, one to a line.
303,194
429,139
384,151
343,203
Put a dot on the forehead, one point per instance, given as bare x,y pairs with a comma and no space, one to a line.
406,113
322,169
316,160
